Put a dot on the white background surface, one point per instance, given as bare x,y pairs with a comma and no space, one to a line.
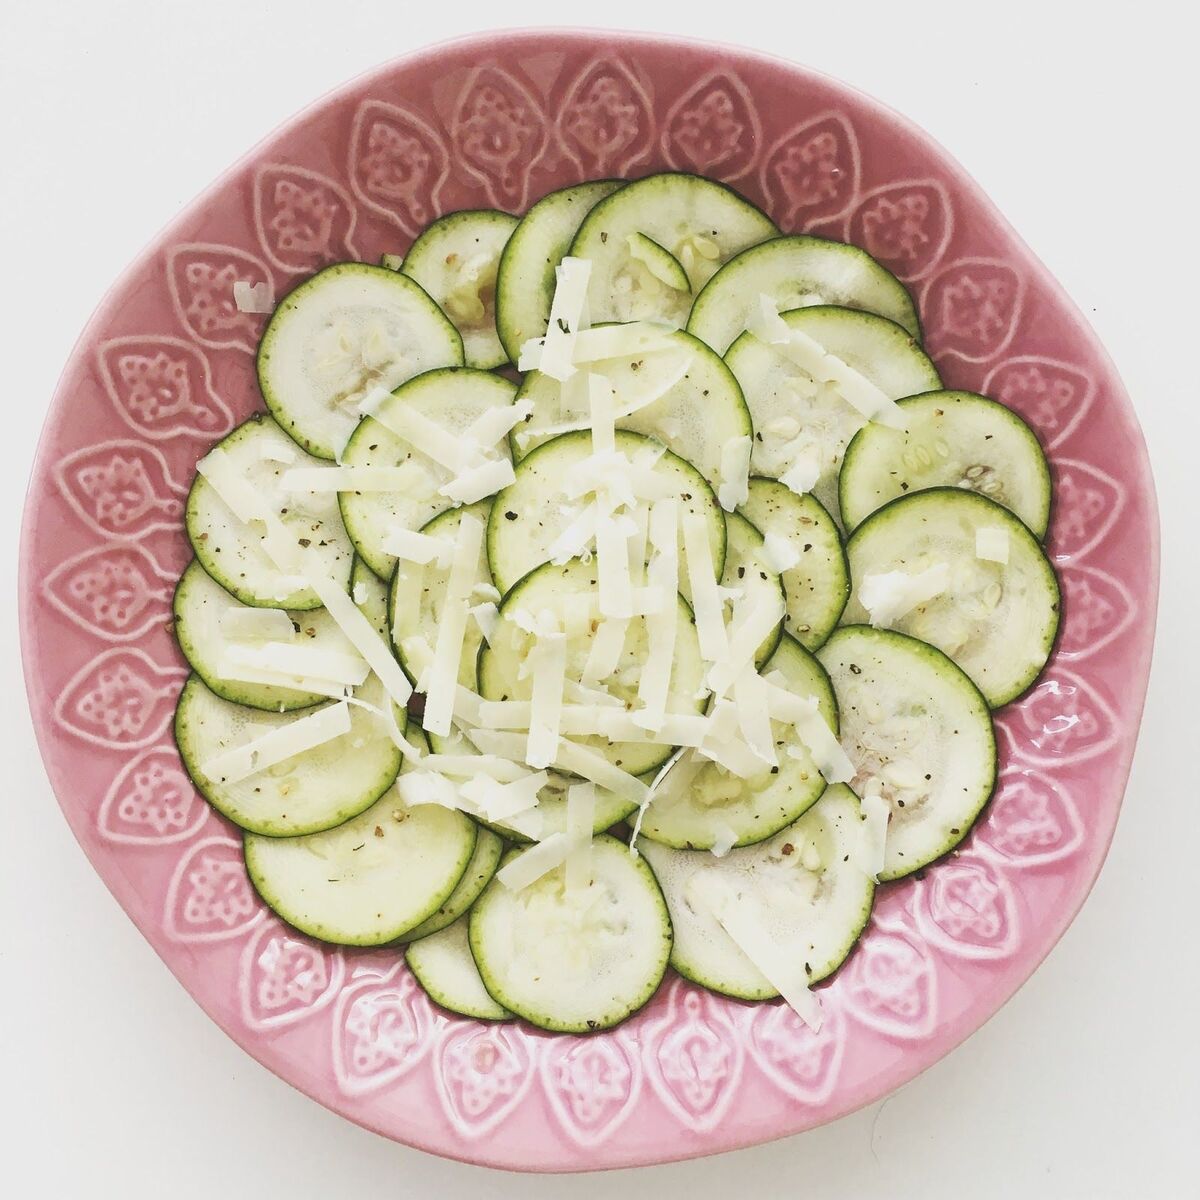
1088,1083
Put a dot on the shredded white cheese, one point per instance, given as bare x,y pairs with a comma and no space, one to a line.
257,624
888,595
554,354
297,737
743,918
612,565
530,865
749,631
608,644
801,477
252,297
487,617
549,662
873,847
488,428
991,543
426,436
804,715
575,537
735,473
420,787
476,482
593,766
724,841
723,745
466,766
347,479
706,599
581,809
419,548
779,553
300,659
663,572
750,695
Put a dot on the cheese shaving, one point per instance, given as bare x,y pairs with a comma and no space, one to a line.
608,645
735,473
466,766
476,482
593,766
257,624
802,476
581,809
300,659
662,572
252,297
754,717
888,595
722,745
575,537
706,600
487,617
555,354
779,553
236,673
539,859
421,787
873,845
428,437
419,548
743,917
804,715
549,658
748,632
347,479
991,543
490,427
612,562
297,737
725,839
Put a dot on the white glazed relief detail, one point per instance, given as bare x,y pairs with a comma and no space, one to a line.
1061,721
500,134
967,907
151,802
604,125
1052,396
162,388
1088,503
812,172
1097,609
284,977
713,128
120,488
972,308
907,226
382,1028
1031,822
209,898
483,1073
116,593
398,164
891,984
799,1061
696,1056
303,219
121,700
200,277
593,1083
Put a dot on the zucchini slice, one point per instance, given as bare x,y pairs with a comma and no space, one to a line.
797,271
953,439
455,261
997,620
574,961
345,331
443,966
916,727
485,858
815,897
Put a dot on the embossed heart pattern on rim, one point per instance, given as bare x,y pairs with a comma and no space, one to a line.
166,366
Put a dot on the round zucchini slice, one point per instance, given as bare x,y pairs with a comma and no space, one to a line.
700,223
574,961
231,551
801,419
349,329
953,439
917,727
699,804
525,281
806,878
795,272
748,574
816,588
443,966
485,858
455,260
996,619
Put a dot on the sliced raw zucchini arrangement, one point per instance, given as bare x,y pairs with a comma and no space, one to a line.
456,260
549,684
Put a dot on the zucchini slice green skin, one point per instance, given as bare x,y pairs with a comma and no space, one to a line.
954,439
699,222
939,754
693,813
231,552
797,270
525,278
599,978
747,571
309,792
485,858
500,663
822,423
832,902
817,587
368,881
997,621
309,379
455,260
526,516
442,964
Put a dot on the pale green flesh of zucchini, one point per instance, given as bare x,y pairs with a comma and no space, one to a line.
442,964
816,588
699,802
806,878
575,961
917,728
793,413
997,621
349,329
794,272
455,261
953,439
485,858
231,551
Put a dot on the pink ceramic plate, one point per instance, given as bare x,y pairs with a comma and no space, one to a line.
166,366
